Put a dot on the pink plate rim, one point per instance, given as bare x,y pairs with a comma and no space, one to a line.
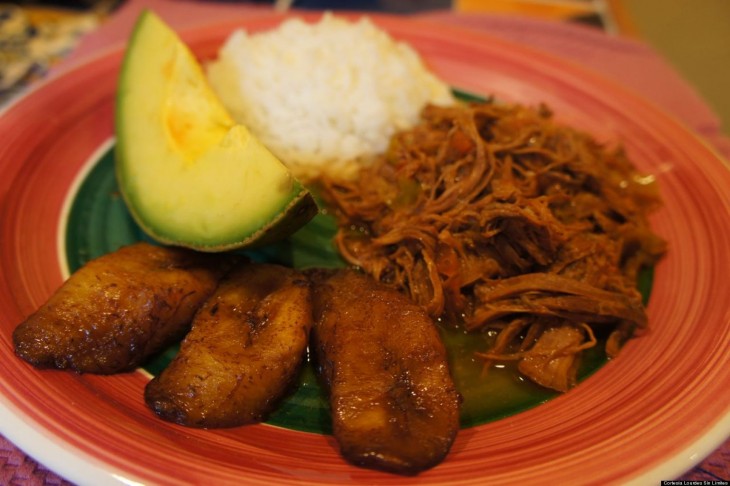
650,414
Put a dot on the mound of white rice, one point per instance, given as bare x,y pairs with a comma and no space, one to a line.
326,95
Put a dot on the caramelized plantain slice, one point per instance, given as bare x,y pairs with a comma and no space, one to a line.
243,352
394,404
119,309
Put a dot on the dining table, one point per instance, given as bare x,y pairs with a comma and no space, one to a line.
628,61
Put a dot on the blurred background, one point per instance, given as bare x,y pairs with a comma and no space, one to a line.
692,35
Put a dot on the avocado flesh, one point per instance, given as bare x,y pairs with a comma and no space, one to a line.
189,174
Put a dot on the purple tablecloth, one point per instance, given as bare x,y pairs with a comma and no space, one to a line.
628,62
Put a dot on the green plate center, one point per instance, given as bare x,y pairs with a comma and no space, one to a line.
99,223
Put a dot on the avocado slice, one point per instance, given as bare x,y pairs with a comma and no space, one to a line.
188,173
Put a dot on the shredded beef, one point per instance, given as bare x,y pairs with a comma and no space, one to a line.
494,216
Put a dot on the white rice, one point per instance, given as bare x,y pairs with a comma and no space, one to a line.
326,95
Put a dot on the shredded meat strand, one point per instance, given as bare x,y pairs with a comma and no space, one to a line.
487,214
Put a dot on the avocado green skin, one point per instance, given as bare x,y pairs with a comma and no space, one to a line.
301,206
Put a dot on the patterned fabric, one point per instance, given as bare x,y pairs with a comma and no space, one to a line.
32,41
18,469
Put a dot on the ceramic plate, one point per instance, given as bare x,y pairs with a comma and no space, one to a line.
648,415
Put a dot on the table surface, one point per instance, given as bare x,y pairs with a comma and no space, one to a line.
577,33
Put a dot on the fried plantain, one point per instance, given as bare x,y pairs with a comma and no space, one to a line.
394,404
119,309
243,352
